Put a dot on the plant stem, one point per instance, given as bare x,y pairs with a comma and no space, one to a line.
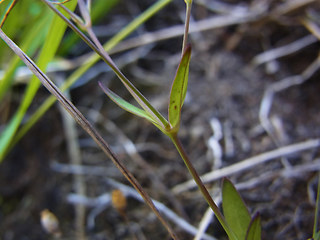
203,189
186,27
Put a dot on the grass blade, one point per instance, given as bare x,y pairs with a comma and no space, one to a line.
29,45
234,210
7,11
49,48
179,89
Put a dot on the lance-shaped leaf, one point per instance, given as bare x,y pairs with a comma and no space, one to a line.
254,230
234,210
143,102
128,106
179,89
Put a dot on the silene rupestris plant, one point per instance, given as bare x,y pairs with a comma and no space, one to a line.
235,219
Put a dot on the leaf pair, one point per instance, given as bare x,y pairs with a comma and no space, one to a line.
237,215
147,111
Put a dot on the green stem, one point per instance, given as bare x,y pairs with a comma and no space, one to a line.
203,189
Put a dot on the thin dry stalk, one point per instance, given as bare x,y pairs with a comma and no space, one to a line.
284,50
103,201
76,159
267,100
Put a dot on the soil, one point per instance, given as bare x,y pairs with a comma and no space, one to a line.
225,87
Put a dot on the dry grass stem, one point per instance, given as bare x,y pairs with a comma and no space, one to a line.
312,27
176,31
284,50
249,163
290,5
267,99
74,153
103,201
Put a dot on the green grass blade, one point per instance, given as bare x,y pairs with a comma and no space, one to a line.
127,106
89,63
179,89
234,210
30,44
254,230
49,48
27,9
5,10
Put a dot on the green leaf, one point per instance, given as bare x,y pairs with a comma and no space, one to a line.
235,211
179,89
254,230
127,106
47,53
29,44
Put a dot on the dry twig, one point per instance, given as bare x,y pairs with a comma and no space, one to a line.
249,163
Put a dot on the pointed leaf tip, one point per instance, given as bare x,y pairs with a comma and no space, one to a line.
234,209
